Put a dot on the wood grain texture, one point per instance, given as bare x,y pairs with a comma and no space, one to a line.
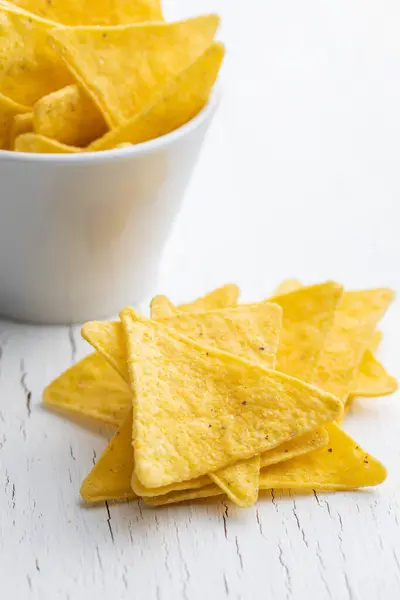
304,149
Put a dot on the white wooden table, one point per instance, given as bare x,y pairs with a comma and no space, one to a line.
299,177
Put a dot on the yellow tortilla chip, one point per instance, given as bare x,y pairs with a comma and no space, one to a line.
31,142
375,341
182,496
249,331
302,444
107,480
29,68
95,55
69,116
91,388
180,102
287,286
107,337
8,111
229,409
355,321
22,123
342,465
308,315
161,306
243,495
241,331
372,379
223,297
87,12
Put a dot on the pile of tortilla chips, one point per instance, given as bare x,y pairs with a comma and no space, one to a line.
83,76
218,398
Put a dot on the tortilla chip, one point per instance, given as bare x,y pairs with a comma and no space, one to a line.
29,68
287,286
31,142
180,102
161,306
249,331
91,388
342,465
303,444
124,145
228,408
355,321
222,297
8,111
69,116
22,123
9,6
107,337
372,378
375,341
308,315
145,492
243,330
95,55
174,497
107,480
87,12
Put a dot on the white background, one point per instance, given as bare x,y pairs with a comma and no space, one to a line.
299,177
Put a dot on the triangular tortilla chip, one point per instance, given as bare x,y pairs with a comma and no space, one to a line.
88,390
68,116
87,12
355,321
287,286
182,496
110,479
250,331
222,297
372,378
249,323
229,409
100,58
307,317
107,337
161,306
178,104
242,488
91,388
342,465
107,479
22,123
31,142
29,68
296,447
9,110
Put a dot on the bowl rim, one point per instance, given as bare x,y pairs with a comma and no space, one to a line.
102,156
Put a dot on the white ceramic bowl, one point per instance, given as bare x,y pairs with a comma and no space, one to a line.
81,236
